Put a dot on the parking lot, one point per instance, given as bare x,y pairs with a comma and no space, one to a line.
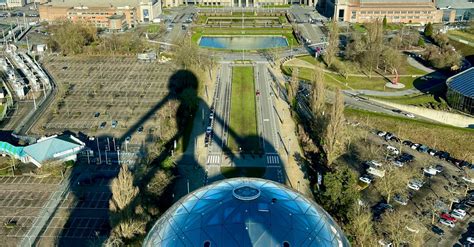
95,91
440,184
21,201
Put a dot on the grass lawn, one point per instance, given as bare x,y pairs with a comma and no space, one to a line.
243,115
462,35
354,82
286,32
417,100
233,172
457,141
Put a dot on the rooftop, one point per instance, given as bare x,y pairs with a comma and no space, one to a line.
463,82
245,212
52,147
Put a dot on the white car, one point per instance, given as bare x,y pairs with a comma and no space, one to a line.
470,180
366,179
457,215
414,146
413,186
393,150
409,115
430,170
374,163
447,223
381,133
470,240
460,211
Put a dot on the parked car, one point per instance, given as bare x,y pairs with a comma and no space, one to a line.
430,170
388,136
209,130
431,152
114,123
457,215
447,217
102,125
460,211
400,199
373,163
392,149
439,168
469,180
211,115
409,115
366,178
97,114
415,146
395,139
413,186
140,129
407,142
470,240
437,230
423,149
381,133
376,172
447,223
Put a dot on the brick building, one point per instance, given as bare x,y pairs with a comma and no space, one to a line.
396,11
111,15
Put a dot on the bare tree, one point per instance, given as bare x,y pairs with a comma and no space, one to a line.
401,226
333,44
123,190
361,226
318,100
332,138
294,85
395,181
124,219
159,182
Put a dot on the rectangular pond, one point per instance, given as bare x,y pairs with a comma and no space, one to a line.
243,42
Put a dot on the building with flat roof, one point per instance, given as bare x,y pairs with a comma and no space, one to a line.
396,11
99,13
460,92
49,149
246,212
456,10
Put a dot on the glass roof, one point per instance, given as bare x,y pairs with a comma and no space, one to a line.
245,212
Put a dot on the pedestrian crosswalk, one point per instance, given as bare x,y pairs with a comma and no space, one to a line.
273,159
213,159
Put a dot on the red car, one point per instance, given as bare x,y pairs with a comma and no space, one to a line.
447,217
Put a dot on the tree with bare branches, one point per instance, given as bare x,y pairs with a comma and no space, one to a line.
333,133
395,181
125,221
294,85
318,100
333,44
401,227
361,226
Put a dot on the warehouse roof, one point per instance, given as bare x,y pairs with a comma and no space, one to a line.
462,83
52,147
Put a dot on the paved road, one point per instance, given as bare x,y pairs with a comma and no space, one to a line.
268,125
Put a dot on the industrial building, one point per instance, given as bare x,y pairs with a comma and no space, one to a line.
460,93
45,150
245,212
114,15
396,11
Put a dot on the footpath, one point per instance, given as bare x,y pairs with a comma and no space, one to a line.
295,177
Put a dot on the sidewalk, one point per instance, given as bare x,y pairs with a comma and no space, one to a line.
288,134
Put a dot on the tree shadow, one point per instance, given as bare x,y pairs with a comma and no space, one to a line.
88,189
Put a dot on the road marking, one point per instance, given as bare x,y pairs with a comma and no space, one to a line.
266,120
273,159
213,159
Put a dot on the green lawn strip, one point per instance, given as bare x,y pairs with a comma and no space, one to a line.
457,141
232,172
417,99
243,115
462,35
